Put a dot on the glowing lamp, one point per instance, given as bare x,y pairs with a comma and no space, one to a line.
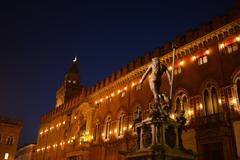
194,58
237,39
112,94
124,128
115,130
181,63
130,126
172,116
221,45
207,52
201,106
234,101
219,101
170,68
125,88
118,91
133,84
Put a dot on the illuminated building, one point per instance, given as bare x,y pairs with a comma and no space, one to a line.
26,152
9,136
96,122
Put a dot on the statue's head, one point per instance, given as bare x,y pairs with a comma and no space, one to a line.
155,60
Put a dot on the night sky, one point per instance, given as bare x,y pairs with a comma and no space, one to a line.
38,41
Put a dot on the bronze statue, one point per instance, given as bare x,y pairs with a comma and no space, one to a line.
155,78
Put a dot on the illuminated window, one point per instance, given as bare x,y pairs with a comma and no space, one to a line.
231,48
177,70
202,60
123,94
121,124
109,100
96,131
108,128
6,156
138,87
210,100
9,140
182,103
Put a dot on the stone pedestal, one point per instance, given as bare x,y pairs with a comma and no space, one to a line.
158,141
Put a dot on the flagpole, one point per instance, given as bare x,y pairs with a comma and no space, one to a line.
173,66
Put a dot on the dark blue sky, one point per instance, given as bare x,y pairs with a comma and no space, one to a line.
38,40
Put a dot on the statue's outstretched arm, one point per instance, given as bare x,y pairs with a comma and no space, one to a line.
145,74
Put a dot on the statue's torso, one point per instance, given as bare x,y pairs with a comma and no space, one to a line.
157,71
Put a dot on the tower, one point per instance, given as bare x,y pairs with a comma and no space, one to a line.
71,85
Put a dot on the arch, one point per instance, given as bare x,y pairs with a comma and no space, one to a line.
181,99
121,124
236,82
210,97
107,130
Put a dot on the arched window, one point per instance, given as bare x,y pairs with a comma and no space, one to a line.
96,131
178,104
210,99
121,124
238,90
9,140
108,128
182,103
214,100
185,103
207,104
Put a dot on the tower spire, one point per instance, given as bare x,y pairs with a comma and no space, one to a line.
71,85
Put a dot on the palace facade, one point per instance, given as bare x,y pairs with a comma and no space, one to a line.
96,123
9,135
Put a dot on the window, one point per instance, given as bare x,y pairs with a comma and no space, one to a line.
202,60
6,156
210,99
96,132
183,104
228,49
109,100
108,129
214,100
123,94
177,70
178,104
238,90
231,48
138,87
9,140
121,124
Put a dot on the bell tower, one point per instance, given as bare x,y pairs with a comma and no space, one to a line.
71,85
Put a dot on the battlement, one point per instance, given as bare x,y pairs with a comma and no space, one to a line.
11,121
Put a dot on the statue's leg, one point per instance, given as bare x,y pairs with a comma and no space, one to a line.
154,90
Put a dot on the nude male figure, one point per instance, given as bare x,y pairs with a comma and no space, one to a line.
155,79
